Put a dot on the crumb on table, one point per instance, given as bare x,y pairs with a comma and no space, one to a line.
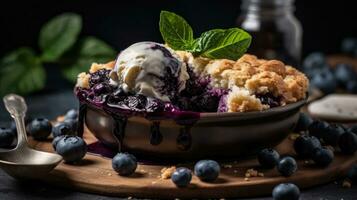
166,172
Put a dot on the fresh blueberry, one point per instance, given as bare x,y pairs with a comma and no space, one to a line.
56,140
125,164
353,129
62,128
268,158
303,123
352,173
287,166
40,128
332,134
325,81
286,191
71,148
181,177
351,87
207,170
13,128
6,137
349,45
73,123
305,145
318,128
344,74
322,157
348,142
314,60
71,114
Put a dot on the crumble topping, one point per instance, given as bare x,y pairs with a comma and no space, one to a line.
83,80
95,66
166,172
258,76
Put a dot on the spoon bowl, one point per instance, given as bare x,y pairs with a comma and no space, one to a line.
23,161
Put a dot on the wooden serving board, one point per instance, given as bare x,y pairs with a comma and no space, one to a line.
95,175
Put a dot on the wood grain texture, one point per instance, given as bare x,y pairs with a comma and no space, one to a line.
95,175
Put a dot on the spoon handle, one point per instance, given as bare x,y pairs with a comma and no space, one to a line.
17,108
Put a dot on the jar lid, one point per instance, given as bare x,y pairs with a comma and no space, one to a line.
267,3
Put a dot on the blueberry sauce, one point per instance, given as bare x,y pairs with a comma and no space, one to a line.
269,99
184,108
155,135
184,139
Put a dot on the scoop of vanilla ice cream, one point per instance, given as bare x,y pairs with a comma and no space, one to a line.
150,69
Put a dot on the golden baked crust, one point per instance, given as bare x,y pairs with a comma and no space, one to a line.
257,76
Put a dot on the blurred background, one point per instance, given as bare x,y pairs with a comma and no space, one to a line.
121,23
308,27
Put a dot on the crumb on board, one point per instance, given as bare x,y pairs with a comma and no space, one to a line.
253,173
246,179
293,136
227,166
346,184
130,197
166,172
60,118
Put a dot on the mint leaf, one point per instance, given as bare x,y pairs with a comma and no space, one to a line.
219,43
58,35
87,51
175,31
21,72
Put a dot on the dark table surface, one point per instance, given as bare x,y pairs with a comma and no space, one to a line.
54,104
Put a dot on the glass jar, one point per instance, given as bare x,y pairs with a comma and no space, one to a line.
276,33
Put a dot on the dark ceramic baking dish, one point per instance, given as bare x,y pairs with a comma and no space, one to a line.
222,135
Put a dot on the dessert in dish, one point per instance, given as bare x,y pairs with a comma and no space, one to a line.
149,77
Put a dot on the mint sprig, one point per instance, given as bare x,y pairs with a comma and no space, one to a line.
215,44
175,29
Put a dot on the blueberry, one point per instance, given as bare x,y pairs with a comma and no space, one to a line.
287,166
40,128
348,142
353,129
305,145
73,123
101,88
351,87
207,170
99,76
318,128
286,191
349,45
6,137
268,158
181,177
71,148
344,74
13,128
322,157
332,134
62,128
325,81
303,123
125,164
352,173
314,60
71,114
56,140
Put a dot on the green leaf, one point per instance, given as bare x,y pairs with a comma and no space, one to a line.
219,43
58,35
87,51
175,31
21,72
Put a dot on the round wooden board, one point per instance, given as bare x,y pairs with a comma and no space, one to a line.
95,175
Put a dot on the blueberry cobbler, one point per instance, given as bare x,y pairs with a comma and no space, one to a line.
151,79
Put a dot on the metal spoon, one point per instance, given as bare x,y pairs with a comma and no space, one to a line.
23,161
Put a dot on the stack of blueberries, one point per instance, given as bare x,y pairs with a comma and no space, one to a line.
328,79
71,147
317,142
